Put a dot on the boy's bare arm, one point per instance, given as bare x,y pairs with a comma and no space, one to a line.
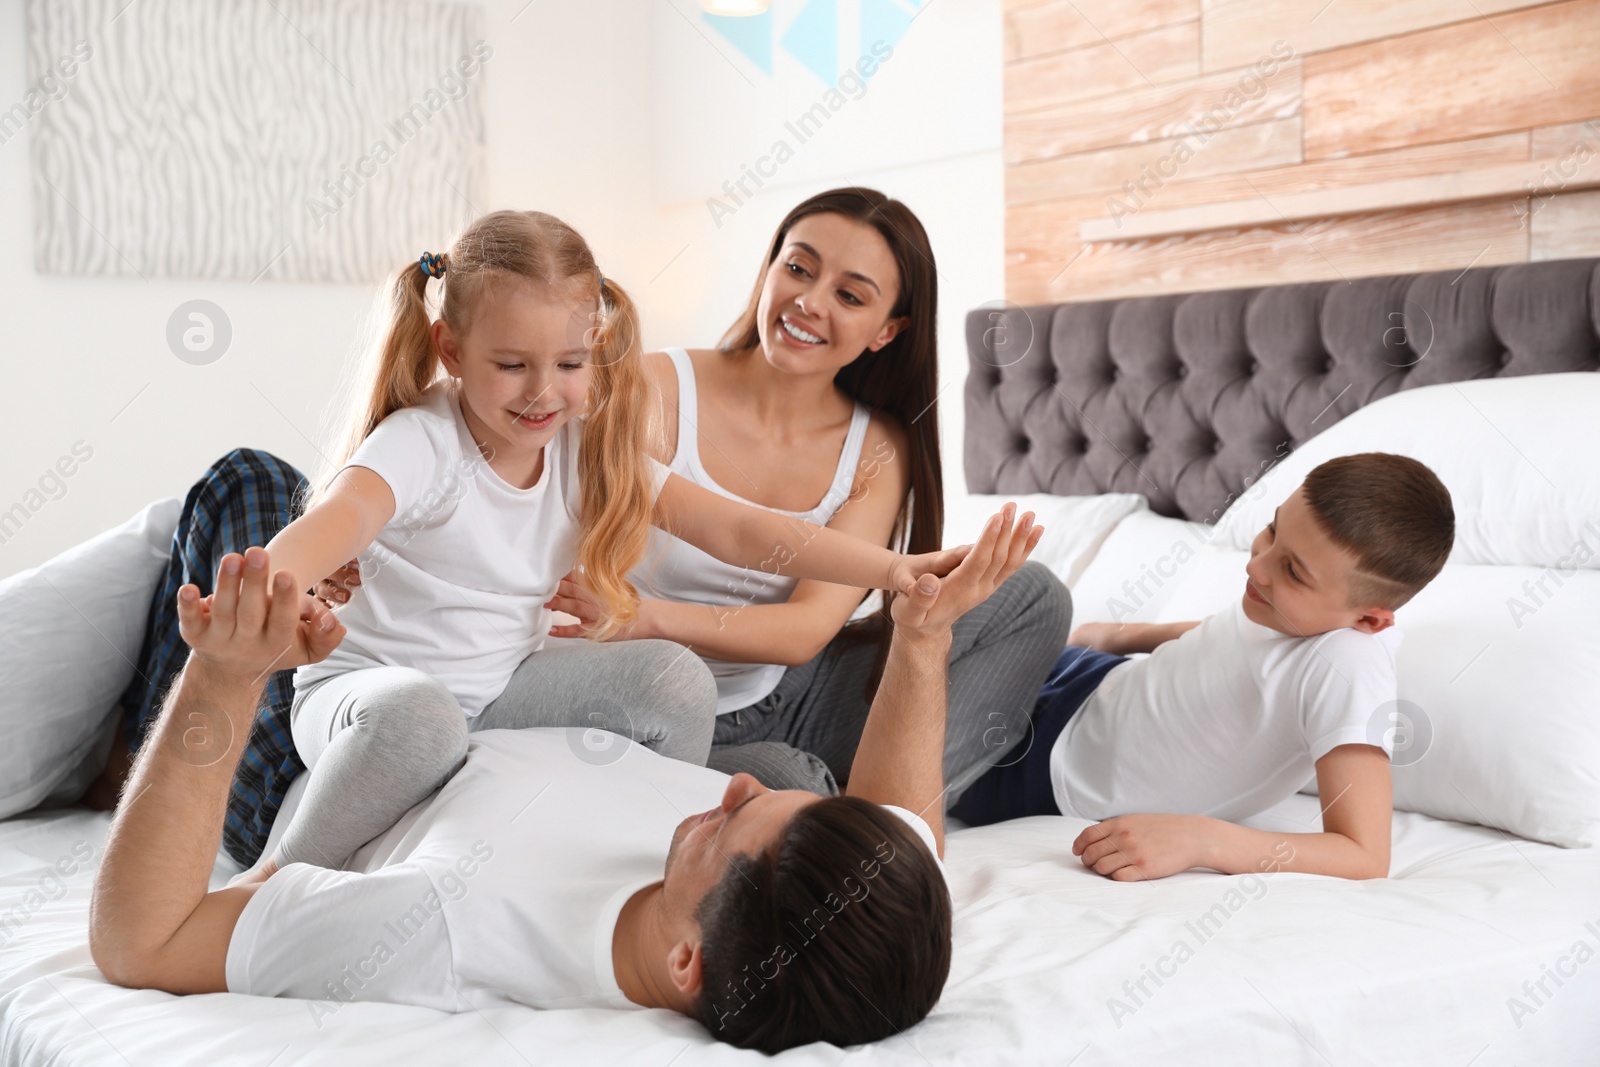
1357,809
1126,638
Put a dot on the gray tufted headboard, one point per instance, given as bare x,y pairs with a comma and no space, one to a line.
1185,397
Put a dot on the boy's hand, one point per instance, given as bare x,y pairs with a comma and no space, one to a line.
1109,637
248,630
1135,848
1126,638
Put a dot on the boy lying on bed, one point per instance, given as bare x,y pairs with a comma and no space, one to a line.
1228,716
546,876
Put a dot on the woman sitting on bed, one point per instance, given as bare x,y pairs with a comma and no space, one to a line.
820,404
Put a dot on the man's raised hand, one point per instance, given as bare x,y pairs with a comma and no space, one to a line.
250,630
932,603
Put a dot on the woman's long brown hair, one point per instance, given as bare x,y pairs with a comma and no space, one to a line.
902,378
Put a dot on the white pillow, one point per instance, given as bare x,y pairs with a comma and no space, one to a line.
1517,454
1074,526
1512,697
1141,564
70,632
1499,687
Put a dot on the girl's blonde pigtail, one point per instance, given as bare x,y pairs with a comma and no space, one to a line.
616,478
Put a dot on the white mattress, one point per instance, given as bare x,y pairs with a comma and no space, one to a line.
1306,970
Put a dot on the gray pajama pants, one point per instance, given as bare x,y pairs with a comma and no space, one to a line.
803,735
379,741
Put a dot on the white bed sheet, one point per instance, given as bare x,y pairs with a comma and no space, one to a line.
1304,970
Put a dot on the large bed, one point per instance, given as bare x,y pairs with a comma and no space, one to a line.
1140,427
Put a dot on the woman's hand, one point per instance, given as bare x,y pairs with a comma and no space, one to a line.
338,587
574,598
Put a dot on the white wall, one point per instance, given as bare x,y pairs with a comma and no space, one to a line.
564,120
619,116
926,130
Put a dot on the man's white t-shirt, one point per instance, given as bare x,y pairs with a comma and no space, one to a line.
455,584
503,886
1225,721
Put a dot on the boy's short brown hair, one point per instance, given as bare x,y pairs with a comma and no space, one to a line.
1393,514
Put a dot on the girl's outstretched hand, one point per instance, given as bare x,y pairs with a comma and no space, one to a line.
907,569
1002,548
338,587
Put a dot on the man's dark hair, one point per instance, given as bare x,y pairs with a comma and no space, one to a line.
840,932
1393,514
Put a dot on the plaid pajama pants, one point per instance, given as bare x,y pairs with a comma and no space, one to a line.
244,499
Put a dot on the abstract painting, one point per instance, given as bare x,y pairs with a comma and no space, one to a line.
291,140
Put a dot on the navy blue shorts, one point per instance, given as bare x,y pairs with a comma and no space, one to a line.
1021,786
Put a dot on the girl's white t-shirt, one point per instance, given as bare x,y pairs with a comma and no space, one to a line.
455,584
1225,721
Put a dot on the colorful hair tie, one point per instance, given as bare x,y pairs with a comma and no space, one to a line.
602,278
432,265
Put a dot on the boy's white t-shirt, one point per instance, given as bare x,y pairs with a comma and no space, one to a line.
505,885
1225,721
456,582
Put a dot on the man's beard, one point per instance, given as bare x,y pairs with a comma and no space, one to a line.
678,835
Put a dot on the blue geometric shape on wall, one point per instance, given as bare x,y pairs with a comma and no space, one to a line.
883,20
750,34
813,39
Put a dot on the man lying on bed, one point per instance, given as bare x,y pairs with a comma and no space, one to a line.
1229,716
536,873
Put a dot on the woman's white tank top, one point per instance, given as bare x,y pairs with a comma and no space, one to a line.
675,570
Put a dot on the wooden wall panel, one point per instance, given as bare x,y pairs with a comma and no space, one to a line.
1395,242
1216,101
1353,170
1566,226
1239,30
1423,161
1033,29
1507,72
1371,91
1242,148
1165,54
1567,139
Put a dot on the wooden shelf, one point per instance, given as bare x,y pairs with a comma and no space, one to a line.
1491,183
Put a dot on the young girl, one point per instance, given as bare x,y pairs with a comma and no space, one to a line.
821,404
468,498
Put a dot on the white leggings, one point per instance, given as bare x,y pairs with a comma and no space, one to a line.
378,741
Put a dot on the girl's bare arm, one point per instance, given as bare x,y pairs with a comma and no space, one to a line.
794,631
340,526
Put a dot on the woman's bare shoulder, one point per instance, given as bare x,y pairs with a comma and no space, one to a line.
884,428
661,368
